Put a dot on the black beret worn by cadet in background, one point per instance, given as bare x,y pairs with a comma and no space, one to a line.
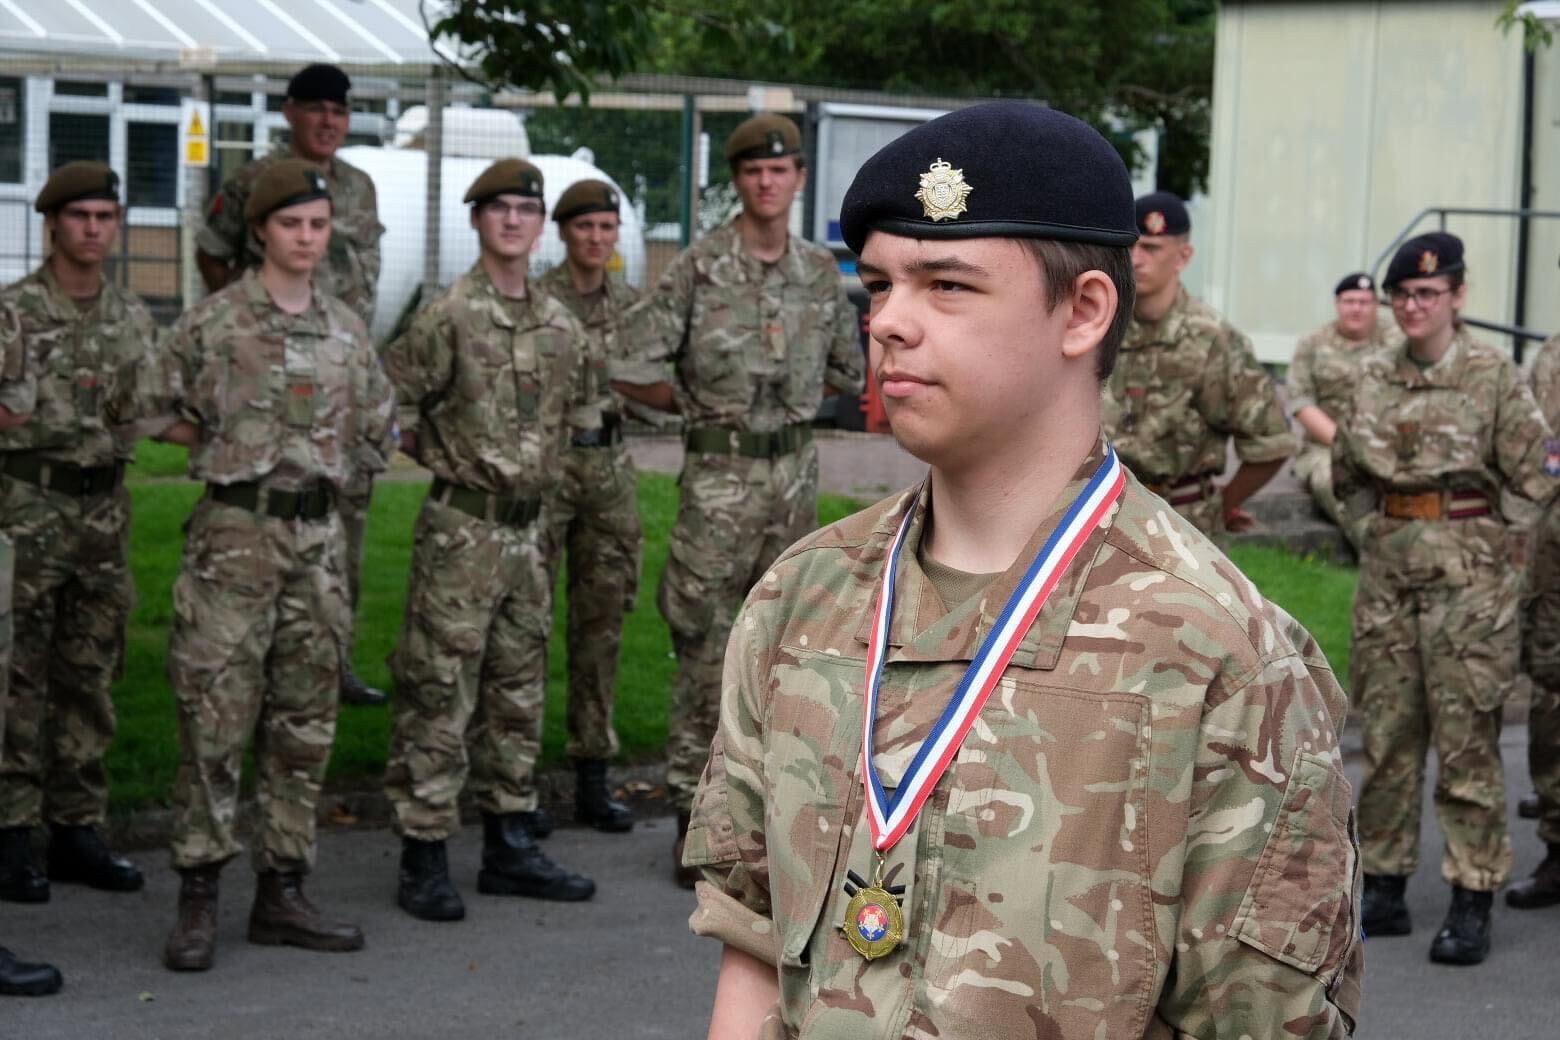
765,136
1162,213
1354,282
1000,169
82,179
286,183
582,197
1437,252
319,83
505,177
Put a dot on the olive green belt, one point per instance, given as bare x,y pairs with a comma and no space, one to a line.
314,503
64,477
712,440
517,512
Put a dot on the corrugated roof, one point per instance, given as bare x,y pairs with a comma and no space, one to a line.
373,32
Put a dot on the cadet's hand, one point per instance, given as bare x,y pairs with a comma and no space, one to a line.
1237,520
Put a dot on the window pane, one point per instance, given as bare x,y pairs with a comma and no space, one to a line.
233,97
151,95
73,136
234,147
12,109
80,89
153,159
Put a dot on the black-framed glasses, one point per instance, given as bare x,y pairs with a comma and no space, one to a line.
1424,296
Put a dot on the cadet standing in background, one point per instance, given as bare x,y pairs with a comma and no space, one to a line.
64,505
593,516
274,387
486,376
1322,378
318,116
748,329
1541,654
1444,449
1186,383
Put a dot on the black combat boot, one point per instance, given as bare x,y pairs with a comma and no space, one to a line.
684,876
425,890
192,945
1540,890
356,691
1383,910
20,879
1527,806
20,979
283,916
1464,937
538,821
78,853
593,801
513,864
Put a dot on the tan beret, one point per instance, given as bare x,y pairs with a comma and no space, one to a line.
584,197
765,136
506,177
286,183
82,179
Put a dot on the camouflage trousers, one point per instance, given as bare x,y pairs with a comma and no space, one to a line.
735,515
71,602
1541,659
470,671
7,564
594,519
1313,468
258,613
1431,665
352,505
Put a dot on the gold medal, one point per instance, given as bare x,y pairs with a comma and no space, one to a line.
874,925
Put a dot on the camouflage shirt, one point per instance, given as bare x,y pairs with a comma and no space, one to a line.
1326,367
751,345
82,362
601,314
1147,832
350,269
487,383
290,399
1181,388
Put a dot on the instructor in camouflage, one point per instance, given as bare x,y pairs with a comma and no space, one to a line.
1146,830
1443,451
1186,383
486,376
64,505
747,330
318,117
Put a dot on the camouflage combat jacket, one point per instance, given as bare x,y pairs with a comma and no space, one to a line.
487,384
350,269
82,361
1326,368
601,314
1181,388
1468,423
291,399
18,385
1147,832
751,345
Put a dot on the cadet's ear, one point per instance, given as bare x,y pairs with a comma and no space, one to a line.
1091,309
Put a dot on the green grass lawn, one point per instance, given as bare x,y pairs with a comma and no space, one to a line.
145,753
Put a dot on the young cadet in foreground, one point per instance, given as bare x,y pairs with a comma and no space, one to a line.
1018,751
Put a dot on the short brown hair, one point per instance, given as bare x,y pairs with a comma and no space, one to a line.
1060,265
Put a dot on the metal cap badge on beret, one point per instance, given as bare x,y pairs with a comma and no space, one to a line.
286,183
765,136
1162,213
588,196
505,177
82,179
1436,252
319,83
1001,169
1354,282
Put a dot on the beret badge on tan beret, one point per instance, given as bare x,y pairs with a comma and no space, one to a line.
943,191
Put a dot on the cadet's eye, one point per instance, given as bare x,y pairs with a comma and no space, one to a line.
875,286
946,286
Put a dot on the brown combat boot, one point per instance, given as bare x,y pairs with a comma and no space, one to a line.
192,945
283,916
684,876
1540,890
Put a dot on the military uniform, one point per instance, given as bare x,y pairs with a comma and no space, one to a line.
1323,374
1182,387
1541,627
593,516
751,347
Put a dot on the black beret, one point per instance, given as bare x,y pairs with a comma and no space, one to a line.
1162,213
285,183
505,177
765,136
1437,252
999,169
82,179
1354,282
582,197
319,83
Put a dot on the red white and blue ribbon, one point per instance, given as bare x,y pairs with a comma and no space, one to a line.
889,818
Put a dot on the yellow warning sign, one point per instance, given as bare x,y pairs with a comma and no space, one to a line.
195,153
196,150
197,128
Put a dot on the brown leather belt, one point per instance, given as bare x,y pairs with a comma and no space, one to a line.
516,512
1435,505
1184,493
64,477
312,504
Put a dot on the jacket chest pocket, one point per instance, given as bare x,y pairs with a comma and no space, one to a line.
328,379
250,385
526,360
724,352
